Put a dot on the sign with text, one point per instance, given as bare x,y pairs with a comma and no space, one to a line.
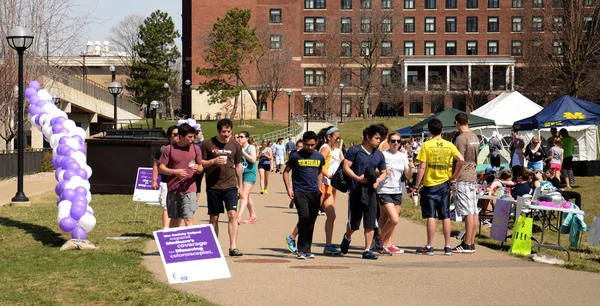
500,221
143,186
191,254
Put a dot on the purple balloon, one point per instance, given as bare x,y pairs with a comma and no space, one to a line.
30,92
64,131
38,103
71,166
78,233
57,172
81,191
67,194
78,138
37,119
63,139
60,188
79,201
34,99
82,174
66,160
69,152
67,224
60,120
56,161
57,127
68,175
34,110
77,211
82,148
35,85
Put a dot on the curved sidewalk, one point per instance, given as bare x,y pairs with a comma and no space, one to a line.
33,184
269,275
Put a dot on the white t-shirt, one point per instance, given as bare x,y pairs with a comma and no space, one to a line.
395,164
332,162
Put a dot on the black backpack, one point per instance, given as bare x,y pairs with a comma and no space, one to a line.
340,180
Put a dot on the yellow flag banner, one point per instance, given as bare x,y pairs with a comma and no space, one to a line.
521,237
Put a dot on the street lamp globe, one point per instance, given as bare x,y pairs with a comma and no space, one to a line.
112,68
55,99
115,88
289,93
342,86
166,86
154,104
20,38
188,82
307,98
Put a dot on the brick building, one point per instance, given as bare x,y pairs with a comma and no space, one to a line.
435,54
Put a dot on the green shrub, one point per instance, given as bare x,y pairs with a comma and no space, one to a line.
47,163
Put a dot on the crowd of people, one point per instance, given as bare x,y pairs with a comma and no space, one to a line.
380,171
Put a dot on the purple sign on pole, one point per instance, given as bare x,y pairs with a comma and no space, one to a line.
188,245
500,222
144,179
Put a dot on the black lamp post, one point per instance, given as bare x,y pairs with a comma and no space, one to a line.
167,97
289,94
341,103
113,71
115,89
307,106
20,39
153,106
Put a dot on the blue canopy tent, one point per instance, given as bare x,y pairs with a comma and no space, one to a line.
405,132
565,111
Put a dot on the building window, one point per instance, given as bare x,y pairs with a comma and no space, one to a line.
314,77
386,77
429,24
493,24
517,3
275,42
471,47
346,4
346,24
386,4
314,48
450,24
450,4
472,4
314,24
365,48
364,76
346,49
409,24
517,48
365,4
517,24
472,24
365,25
451,47
429,47
587,23
263,106
537,3
409,4
387,24
347,102
275,15
346,77
416,105
409,48
557,48
314,4
557,24
429,4
492,47
588,3
386,48
493,3
558,3
538,24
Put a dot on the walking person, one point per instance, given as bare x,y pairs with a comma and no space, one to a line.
224,172
389,193
495,146
517,160
535,155
465,196
248,178
567,165
361,165
265,160
279,155
435,171
290,147
198,142
162,197
305,166
556,156
180,162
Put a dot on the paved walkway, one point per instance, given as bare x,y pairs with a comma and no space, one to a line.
33,184
487,277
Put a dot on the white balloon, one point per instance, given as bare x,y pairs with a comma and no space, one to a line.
87,222
78,156
90,209
55,139
60,113
63,214
80,132
88,169
45,119
73,143
69,125
88,197
47,131
61,175
64,205
48,108
43,92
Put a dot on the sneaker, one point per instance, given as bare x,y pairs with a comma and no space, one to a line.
262,191
425,251
235,252
291,244
310,255
486,223
368,254
321,213
384,251
463,248
394,249
331,250
265,191
345,245
301,256
448,251
473,248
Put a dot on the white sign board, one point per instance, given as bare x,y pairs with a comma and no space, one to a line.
143,186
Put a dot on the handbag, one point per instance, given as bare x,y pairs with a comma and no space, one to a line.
340,180
521,238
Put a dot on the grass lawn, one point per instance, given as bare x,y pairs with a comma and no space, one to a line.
34,272
209,128
352,130
586,258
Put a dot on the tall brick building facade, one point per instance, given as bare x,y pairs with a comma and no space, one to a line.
436,54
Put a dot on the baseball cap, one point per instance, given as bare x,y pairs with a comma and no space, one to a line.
489,170
494,134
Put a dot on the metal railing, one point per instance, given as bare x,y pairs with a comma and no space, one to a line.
292,131
32,162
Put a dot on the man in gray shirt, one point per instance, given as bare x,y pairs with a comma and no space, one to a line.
495,146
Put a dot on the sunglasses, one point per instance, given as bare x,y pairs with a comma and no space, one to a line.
174,135
240,136
395,141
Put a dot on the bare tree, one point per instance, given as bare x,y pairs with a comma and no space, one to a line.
474,86
124,35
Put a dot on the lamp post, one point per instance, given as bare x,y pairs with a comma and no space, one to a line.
115,89
184,93
166,86
20,39
113,71
341,103
56,100
307,106
153,106
289,94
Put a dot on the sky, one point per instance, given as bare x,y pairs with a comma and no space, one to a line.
110,12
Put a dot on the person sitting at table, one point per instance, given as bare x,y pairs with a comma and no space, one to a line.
550,176
522,187
505,180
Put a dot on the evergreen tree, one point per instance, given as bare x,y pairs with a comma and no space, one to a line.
157,53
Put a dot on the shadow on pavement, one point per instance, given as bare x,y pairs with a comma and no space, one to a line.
43,234
277,250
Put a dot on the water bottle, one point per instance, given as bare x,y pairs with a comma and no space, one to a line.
415,198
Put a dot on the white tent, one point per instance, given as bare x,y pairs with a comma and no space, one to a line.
512,106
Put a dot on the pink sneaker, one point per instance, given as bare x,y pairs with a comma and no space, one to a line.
394,249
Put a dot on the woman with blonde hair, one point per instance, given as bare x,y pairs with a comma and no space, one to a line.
248,178
535,154
265,155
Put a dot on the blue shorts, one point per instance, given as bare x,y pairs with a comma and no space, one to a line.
436,199
538,165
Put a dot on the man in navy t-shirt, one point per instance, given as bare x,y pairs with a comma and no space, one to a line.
306,166
361,165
